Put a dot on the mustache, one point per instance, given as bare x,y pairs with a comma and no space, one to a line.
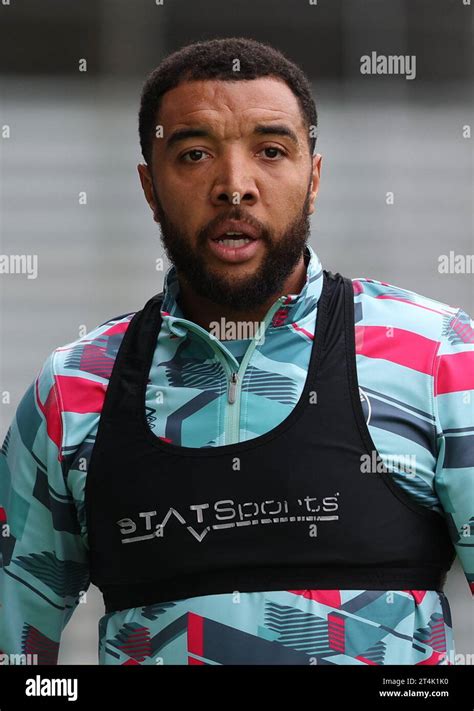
235,213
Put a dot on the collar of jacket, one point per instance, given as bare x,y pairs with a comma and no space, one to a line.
294,308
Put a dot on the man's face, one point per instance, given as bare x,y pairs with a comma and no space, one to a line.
234,157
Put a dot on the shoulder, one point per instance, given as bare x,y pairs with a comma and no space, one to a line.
388,305
92,355
70,387
411,330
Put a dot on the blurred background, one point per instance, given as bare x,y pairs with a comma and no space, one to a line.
74,131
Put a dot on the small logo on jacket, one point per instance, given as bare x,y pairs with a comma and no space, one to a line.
366,406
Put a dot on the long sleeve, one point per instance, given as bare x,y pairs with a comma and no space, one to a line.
454,413
44,570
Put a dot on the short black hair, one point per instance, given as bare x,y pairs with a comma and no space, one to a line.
215,59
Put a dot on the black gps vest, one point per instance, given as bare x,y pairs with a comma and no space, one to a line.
309,504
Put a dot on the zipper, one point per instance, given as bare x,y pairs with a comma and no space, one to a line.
232,388
232,416
232,427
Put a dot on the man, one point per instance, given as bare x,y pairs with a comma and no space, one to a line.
267,464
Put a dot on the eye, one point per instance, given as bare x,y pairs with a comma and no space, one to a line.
272,152
193,156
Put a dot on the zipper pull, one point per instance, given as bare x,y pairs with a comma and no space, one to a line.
232,387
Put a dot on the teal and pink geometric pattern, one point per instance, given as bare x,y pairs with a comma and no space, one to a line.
415,366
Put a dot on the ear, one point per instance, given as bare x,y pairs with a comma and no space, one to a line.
316,175
147,187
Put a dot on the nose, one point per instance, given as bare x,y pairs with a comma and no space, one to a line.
233,183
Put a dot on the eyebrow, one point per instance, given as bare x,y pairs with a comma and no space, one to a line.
277,130
181,134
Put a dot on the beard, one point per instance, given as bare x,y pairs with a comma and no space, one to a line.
249,291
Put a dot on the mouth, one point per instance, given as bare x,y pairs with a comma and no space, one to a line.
234,241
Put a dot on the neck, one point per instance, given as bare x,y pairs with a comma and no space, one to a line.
203,311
